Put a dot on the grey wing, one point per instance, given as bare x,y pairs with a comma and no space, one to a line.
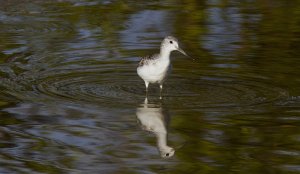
146,60
142,62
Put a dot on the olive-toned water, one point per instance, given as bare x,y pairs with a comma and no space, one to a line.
71,101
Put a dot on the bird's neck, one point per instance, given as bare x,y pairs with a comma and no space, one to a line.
162,140
165,53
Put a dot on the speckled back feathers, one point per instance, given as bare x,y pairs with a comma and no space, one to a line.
147,59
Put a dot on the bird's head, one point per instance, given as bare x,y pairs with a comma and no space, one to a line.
170,43
166,152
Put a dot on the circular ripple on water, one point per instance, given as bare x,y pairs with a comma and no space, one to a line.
126,88
93,86
223,92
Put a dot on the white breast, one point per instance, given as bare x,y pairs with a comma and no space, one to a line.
154,72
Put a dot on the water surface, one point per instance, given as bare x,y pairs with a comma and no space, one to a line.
71,102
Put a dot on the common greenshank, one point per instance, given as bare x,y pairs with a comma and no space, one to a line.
155,68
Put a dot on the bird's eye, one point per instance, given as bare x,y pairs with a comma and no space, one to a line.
168,153
171,42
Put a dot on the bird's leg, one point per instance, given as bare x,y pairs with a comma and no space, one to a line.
161,87
146,101
146,84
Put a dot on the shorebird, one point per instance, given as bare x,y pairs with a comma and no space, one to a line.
155,68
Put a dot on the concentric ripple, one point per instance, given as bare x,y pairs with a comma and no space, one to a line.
126,88
87,87
119,84
223,92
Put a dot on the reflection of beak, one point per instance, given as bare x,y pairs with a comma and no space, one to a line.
179,146
180,50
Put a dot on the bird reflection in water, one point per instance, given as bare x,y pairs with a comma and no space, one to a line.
155,119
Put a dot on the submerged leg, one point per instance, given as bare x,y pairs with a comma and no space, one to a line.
161,87
146,101
146,84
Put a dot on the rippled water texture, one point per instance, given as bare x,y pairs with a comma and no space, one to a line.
71,101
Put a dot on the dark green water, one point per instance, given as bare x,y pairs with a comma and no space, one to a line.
71,102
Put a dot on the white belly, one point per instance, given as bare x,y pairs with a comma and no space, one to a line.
154,72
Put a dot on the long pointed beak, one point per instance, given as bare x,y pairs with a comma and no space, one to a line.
184,53
180,50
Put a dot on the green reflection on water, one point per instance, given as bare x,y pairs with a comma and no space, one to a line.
69,89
